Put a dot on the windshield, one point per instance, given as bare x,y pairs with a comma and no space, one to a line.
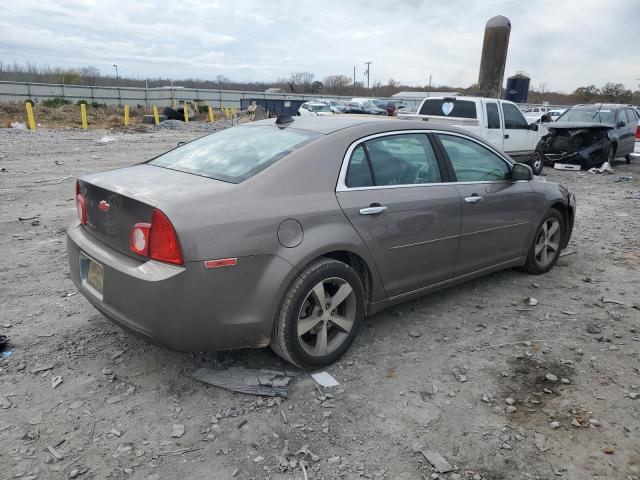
234,154
588,114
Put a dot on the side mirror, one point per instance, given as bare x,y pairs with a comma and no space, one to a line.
180,144
521,172
534,127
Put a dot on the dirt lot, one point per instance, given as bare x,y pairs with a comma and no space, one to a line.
433,374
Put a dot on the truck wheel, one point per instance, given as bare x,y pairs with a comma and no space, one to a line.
537,163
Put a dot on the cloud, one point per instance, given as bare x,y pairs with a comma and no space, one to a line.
563,44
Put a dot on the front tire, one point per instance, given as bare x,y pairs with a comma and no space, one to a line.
628,159
320,314
537,163
610,155
545,248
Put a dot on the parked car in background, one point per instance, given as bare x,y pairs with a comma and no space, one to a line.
314,108
589,135
533,114
367,107
336,106
391,106
500,122
636,150
289,232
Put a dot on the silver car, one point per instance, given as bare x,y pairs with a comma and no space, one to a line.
288,232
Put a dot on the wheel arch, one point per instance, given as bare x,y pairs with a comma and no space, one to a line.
567,215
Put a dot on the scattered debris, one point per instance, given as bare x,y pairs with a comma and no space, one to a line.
42,369
107,139
566,166
18,125
531,301
3,342
437,460
177,430
564,253
308,453
324,379
55,381
623,178
605,168
269,383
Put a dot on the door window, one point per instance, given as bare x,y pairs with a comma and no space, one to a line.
513,118
472,162
493,117
406,159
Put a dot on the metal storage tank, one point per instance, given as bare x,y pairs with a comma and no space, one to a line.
494,56
517,88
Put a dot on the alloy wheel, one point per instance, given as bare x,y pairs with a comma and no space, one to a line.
547,242
326,317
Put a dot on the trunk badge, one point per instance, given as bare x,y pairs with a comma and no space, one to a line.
104,206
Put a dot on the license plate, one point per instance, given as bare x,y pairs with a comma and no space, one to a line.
95,275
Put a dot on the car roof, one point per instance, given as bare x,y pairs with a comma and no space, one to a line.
329,124
600,105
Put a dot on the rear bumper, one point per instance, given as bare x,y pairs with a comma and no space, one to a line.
187,307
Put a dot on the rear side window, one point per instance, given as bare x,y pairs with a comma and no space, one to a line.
406,159
443,107
493,117
513,118
235,154
472,162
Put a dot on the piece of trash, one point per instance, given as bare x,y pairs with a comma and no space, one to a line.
177,430
324,379
623,178
57,455
55,381
106,139
24,219
564,253
531,301
269,383
3,341
6,353
566,166
605,168
42,369
306,452
437,460
18,125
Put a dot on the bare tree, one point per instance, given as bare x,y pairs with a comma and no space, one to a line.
89,75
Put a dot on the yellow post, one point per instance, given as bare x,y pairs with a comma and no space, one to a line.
164,103
83,113
195,106
234,111
175,104
211,117
155,115
186,113
30,119
126,115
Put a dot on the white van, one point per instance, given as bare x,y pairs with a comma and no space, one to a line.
500,122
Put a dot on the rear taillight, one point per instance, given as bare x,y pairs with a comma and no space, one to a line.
156,240
81,205
638,133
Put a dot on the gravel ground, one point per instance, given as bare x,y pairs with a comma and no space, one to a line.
499,387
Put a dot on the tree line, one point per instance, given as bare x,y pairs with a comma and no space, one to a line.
302,82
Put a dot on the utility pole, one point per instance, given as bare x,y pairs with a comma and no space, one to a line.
116,67
354,76
368,64
429,82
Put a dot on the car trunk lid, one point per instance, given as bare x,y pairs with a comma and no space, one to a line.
118,199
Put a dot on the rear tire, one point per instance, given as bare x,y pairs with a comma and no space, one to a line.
172,114
320,314
537,163
545,247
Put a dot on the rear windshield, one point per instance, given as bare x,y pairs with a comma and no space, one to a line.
443,107
235,154
588,114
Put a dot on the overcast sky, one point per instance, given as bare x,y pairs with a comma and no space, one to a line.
564,43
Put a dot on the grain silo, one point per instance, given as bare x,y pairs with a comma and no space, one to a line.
494,56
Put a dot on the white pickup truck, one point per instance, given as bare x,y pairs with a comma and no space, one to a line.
500,122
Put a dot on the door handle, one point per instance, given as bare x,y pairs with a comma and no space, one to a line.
506,135
473,199
372,210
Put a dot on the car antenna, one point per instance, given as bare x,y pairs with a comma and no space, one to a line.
284,119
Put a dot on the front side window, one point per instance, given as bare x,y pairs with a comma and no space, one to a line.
235,154
493,117
472,162
513,118
406,159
